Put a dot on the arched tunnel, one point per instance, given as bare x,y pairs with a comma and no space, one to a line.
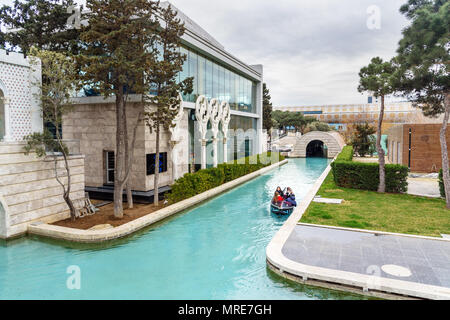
316,149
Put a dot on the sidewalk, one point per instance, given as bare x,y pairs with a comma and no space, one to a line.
427,187
410,259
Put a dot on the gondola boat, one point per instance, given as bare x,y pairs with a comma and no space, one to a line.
283,210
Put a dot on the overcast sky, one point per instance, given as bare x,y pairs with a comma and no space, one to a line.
312,50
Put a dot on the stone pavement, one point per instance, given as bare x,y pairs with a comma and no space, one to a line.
419,260
427,187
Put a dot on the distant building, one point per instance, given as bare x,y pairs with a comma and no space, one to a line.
339,116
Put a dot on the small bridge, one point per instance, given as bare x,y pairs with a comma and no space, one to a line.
318,144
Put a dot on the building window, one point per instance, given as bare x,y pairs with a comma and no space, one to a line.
217,81
151,163
109,165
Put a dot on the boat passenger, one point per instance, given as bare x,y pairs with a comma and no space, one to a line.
280,192
291,200
288,193
277,199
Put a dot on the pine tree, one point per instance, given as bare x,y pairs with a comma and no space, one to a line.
114,58
267,110
424,68
38,23
163,76
377,78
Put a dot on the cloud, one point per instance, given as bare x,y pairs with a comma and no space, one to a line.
312,50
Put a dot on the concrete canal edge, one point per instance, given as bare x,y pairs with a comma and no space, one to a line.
335,279
99,236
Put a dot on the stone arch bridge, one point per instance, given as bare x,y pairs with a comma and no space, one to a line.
331,141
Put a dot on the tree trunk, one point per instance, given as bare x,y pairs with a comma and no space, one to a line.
129,156
381,158
444,150
66,192
69,203
156,181
119,161
130,202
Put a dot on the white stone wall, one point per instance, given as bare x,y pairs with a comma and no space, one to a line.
17,80
29,190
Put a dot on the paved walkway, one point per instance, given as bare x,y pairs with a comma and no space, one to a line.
427,187
388,256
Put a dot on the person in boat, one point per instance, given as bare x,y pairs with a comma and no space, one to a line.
280,192
290,201
277,199
288,193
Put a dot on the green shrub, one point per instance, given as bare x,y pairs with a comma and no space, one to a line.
203,180
365,176
346,154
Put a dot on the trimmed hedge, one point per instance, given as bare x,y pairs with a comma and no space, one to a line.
366,176
192,184
346,154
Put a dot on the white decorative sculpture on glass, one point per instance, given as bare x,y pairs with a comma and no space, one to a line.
202,114
176,133
216,117
225,120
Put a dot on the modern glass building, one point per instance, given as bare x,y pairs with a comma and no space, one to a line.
218,74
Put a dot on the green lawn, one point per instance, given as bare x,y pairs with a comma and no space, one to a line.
398,213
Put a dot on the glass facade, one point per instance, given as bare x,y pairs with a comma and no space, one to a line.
212,80
215,81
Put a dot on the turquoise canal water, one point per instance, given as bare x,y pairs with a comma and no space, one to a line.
213,251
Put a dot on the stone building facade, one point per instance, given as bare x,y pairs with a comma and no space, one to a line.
93,123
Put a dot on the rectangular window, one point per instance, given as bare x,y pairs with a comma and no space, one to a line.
249,95
232,92
201,76
253,97
236,92
109,165
241,94
227,96
151,163
185,72
209,79
247,149
193,73
221,83
215,92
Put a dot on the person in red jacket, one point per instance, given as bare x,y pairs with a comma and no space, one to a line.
277,198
